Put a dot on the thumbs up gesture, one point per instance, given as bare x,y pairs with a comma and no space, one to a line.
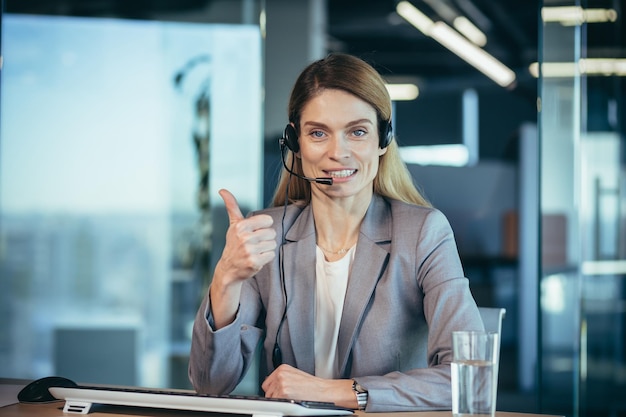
250,242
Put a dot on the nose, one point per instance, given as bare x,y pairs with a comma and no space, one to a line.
338,147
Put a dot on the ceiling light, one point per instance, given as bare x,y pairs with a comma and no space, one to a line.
604,267
415,17
470,31
461,23
448,155
443,8
474,55
576,15
402,92
456,43
600,15
586,66
475,14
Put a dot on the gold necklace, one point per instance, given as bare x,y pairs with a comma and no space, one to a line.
339,252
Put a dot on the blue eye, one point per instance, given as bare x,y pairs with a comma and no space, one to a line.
359,132
317,134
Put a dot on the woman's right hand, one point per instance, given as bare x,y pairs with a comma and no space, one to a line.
250,244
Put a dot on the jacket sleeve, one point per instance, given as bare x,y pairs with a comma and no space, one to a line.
448,305
220,358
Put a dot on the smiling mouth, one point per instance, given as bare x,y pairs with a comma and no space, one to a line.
344,173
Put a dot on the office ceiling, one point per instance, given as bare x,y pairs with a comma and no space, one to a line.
372,29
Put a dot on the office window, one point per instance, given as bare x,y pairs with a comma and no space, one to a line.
112,132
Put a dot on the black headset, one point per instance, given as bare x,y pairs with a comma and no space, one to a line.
290,137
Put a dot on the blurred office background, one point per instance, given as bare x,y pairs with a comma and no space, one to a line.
120,120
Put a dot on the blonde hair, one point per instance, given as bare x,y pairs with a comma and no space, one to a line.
355,76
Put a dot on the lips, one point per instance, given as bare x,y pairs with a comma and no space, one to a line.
344,173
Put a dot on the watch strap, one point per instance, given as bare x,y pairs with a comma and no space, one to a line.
361,395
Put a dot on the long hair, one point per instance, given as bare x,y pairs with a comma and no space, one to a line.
350,74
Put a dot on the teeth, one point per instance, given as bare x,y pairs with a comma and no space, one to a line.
341,174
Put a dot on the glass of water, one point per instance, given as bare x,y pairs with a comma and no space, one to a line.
474,373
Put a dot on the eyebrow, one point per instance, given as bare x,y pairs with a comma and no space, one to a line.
349,124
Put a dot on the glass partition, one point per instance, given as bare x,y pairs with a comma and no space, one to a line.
583,355
110,158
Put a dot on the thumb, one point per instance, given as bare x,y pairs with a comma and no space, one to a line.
232,208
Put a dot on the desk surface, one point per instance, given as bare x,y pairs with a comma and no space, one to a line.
8,408
56,410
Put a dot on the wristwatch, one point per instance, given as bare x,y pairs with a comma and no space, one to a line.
361,394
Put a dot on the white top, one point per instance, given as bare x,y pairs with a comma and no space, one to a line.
330,292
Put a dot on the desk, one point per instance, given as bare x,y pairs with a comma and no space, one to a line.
55,409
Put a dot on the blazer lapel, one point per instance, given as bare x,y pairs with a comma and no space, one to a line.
299,269
370,262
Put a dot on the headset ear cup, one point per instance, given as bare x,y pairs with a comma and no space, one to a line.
386,135
290,138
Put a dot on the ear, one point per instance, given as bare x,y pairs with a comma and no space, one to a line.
382,151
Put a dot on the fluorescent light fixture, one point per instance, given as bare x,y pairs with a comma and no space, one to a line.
604,267
471,127
553,293
474,14
608,66
415,17
600,15
459,45
585,66
461,23
447,155
263,24
474,55
402,92
443,8
470,31
576,15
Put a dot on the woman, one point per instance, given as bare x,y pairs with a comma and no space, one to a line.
354,287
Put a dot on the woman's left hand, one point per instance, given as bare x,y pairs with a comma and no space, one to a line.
289,382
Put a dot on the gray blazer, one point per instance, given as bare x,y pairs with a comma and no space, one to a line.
406,294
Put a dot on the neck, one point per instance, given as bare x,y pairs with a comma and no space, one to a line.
337,226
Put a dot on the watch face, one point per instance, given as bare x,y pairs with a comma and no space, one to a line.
358,388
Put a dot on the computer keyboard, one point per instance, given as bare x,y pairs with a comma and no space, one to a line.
79,400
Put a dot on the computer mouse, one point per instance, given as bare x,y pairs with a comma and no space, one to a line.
37,391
